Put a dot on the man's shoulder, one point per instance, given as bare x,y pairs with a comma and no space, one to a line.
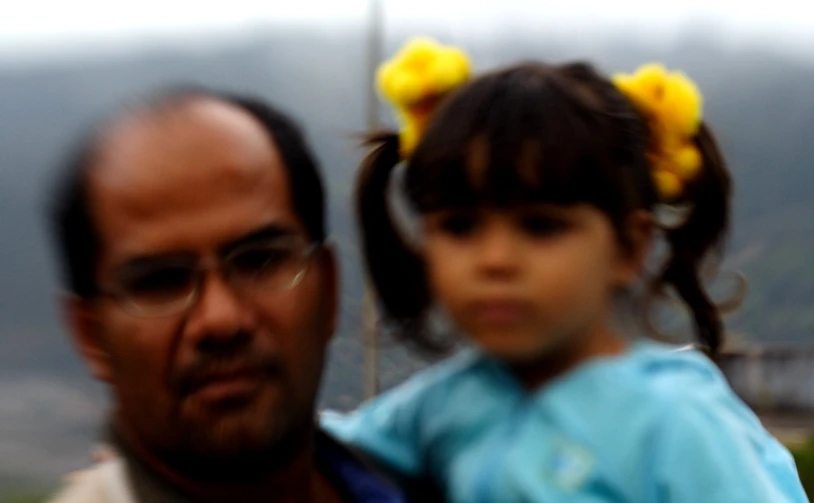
82,486
101,483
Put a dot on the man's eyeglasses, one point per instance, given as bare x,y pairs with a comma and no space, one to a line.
167,286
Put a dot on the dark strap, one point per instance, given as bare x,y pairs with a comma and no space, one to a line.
423,490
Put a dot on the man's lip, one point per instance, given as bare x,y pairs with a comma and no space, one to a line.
221,385
228,389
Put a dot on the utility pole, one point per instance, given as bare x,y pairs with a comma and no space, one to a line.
370,324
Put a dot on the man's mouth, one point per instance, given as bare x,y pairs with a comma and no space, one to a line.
231,385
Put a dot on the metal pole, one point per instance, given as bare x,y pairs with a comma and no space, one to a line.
370,346
370,342
374,57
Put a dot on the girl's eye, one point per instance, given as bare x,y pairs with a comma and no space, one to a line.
541,225
458,225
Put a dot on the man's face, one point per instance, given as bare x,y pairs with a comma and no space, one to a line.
236,373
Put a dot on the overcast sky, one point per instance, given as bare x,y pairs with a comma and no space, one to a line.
31,27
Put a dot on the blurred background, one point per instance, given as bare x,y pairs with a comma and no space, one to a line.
63,63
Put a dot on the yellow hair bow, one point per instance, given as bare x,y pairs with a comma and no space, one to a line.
416,79
671,103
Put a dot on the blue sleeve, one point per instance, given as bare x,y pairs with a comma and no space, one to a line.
388,428
712,449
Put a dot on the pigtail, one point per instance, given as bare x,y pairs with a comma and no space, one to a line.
395,270
687,170
414,81
701,233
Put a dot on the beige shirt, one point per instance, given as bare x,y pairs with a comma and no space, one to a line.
106,482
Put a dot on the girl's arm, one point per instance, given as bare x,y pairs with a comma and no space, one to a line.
388,429
711,448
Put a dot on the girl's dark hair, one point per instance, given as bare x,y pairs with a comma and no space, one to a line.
531,133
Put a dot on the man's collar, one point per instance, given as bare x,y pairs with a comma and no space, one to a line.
354,479
357,481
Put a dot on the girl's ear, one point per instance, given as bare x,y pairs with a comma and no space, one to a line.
638,229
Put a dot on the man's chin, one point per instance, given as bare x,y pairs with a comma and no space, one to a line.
231,432
241,447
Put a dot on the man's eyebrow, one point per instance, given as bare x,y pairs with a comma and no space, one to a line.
140,262
269,232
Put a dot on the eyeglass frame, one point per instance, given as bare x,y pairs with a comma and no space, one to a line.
204,266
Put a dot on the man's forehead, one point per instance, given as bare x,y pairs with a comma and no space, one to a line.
200,144
180,133
198,162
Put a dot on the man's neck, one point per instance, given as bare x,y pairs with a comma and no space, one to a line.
298,481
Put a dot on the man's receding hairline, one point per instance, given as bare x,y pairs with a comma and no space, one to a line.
156,109
150,112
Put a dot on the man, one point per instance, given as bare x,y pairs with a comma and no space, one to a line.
202,291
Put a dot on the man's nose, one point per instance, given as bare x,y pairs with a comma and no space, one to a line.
220,314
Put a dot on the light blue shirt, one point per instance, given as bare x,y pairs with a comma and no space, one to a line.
653,425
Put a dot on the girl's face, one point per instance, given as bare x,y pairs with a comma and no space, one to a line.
529,280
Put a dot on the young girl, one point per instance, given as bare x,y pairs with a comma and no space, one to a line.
536,188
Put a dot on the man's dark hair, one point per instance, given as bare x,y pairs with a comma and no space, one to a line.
76,238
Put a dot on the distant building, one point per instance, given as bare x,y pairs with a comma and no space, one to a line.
772,378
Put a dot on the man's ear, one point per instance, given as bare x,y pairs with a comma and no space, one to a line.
639,228
330,284
86,334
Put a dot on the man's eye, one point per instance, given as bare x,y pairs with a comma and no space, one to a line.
261,260
159,282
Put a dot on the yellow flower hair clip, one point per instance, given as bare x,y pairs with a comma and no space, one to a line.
416,79
671,103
